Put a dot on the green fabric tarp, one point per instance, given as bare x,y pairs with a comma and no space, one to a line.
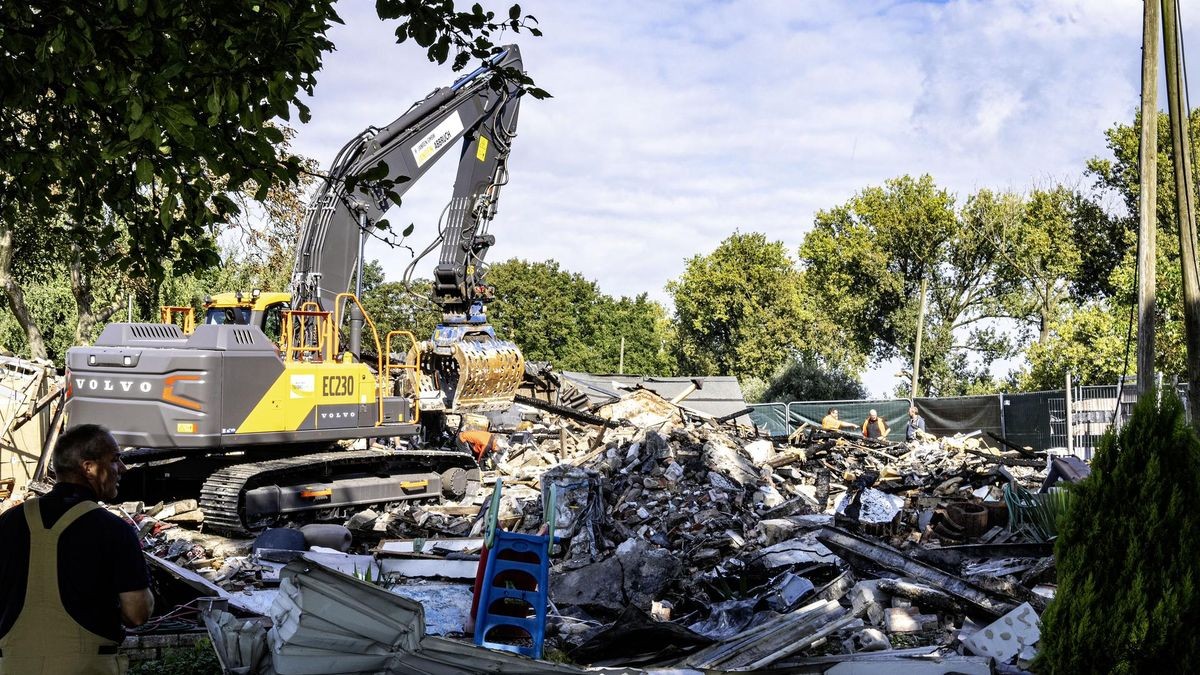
893,411
1023,419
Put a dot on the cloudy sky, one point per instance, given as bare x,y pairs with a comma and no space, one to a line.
674,123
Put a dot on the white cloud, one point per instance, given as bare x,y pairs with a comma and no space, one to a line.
673,123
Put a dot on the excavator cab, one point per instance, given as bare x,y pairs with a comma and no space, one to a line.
256,308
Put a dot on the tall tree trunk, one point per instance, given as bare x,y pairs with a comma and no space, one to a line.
16,296
85,301
1046,314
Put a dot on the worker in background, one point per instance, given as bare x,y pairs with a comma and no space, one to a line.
483,444
71,573
875,427
831,422
915,423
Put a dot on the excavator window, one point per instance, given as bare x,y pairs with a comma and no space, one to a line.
272,324
222,315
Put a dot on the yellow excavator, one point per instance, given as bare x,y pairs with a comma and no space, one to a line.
250,408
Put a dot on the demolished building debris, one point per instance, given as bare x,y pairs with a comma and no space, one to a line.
749,552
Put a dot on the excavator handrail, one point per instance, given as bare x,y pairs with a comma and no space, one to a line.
291,348
414,368
167,315
337,331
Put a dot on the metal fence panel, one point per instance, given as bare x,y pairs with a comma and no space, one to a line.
1028,420
771,418
893,411
1034,419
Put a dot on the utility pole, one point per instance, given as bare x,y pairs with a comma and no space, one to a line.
917,350
621,367
1147,198
1181,154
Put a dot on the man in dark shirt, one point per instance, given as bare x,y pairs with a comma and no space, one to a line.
915,423
70,621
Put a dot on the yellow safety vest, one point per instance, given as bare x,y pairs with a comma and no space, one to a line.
46,640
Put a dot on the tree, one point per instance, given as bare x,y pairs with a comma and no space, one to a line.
738,310
864,263
807,379
647,332
1117,176
1127,550
560,316
1037,256
545,309
437,26
1094,341
134,109
1090,341
132,122
151,110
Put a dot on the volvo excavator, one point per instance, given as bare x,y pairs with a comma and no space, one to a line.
256,425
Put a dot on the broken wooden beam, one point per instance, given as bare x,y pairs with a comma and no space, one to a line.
1028,452
950,557
1008,461
566,411
790,457
20,420
922,595
733,415
890,558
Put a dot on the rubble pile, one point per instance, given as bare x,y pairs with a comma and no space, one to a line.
746,551
712,527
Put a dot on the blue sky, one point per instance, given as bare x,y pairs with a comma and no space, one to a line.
675,123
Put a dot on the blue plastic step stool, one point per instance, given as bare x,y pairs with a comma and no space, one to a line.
515,589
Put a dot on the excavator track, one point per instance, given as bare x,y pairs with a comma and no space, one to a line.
223,496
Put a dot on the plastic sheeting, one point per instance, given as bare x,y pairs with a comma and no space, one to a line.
1027,419
960,414
771,418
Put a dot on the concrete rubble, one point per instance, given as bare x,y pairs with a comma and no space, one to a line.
726,549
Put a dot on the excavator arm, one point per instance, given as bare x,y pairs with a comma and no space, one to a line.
464,367
480,110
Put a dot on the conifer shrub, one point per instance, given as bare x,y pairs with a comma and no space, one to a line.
1128,554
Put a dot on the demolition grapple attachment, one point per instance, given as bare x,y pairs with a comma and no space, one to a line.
475,373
